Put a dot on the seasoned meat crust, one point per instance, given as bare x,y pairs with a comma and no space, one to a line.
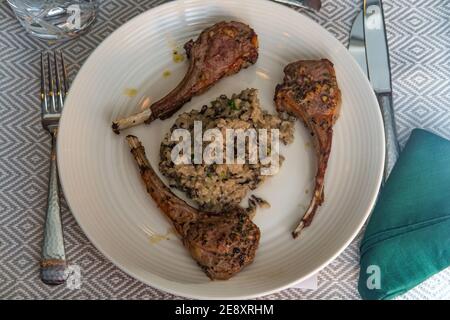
221,50
311,93
222,244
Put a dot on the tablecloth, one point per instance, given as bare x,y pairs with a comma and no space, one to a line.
419,39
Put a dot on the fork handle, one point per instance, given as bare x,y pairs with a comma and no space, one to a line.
53,263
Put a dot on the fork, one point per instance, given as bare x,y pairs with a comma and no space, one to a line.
54,88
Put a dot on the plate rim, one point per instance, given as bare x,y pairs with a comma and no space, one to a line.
184,293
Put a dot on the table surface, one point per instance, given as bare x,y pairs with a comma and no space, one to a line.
419,38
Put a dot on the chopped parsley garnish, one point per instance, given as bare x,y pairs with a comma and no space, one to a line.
232,105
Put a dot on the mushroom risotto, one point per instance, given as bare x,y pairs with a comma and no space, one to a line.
217,187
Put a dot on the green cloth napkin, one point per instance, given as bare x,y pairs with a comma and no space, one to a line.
407,239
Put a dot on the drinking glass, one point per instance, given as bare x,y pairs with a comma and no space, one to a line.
55,19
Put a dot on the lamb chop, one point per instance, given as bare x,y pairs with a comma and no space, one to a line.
222,244
221,50
311,93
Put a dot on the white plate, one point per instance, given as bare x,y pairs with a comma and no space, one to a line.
103,187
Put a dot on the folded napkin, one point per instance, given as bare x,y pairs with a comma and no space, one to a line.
407,239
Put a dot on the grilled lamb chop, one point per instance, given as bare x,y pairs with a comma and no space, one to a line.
221,50
311,93
222,244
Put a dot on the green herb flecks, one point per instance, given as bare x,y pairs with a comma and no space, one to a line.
232,105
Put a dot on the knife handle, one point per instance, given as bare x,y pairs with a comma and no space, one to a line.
392,146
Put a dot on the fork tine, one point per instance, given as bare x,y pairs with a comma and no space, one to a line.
51,88
44,101
64,73
59,90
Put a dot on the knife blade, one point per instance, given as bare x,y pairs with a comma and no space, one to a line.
377,54
376,45
357,45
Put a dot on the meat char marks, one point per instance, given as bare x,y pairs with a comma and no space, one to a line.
221,50
221,243
311,93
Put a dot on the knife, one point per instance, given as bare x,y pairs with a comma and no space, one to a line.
378,67
357,44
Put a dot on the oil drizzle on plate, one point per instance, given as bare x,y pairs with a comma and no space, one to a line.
130,92
177,57
157,238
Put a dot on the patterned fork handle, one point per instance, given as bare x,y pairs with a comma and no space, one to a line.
53,264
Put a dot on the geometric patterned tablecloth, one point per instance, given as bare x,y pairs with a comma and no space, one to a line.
419,39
